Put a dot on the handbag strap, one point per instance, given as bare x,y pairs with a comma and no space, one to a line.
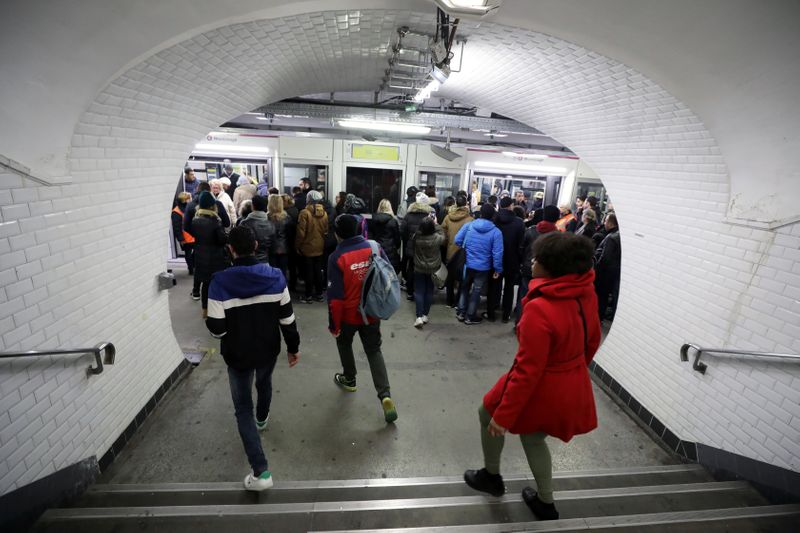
585,334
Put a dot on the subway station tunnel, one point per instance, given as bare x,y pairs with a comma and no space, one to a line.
687,112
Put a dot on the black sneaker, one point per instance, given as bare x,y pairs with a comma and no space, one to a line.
460,318
505,319
319,298
487,316
345,383
543,511
195,295
306,300
472,321
483,481
410,297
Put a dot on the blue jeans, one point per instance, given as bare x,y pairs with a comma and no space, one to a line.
470,293
423,293
241,382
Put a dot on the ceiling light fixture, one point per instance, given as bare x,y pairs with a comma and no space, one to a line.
526,168
425,92
473,8
399,127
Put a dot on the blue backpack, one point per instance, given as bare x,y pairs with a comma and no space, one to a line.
380,291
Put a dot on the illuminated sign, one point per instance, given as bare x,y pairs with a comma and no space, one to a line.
376,152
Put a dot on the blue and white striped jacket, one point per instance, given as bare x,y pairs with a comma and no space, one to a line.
249,308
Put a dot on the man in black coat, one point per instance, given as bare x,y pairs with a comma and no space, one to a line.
608,259
262,227
513,230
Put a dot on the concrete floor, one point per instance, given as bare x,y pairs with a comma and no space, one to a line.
438,376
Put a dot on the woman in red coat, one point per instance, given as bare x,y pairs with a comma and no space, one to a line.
547,391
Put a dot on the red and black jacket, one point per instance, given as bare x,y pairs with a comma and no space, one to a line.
347,266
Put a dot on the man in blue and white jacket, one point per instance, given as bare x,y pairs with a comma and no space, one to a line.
483,243
249,308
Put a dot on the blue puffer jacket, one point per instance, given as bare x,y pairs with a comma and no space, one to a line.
484,245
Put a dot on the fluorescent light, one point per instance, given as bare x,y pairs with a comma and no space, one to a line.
231,148
439,74
495,134
525,156
425,93
399,127
468,7
527,168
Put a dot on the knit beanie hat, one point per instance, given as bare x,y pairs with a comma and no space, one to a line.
313,196
506,201
551,213
487,211
346,226
354,205
206,200
422,198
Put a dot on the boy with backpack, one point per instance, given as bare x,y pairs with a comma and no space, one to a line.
352,310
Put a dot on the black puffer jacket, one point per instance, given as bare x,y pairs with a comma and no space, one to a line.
416,214
265,234
209,248
531,234
513,230
385,229
280,245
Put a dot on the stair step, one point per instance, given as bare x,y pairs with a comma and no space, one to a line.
371,489
745,519
402,513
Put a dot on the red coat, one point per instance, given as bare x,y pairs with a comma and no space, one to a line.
548,388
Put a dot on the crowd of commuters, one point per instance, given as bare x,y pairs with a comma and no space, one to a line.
553,270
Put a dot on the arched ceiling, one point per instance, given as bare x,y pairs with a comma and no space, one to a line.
734,63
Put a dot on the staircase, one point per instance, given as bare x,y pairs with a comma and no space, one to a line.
675,498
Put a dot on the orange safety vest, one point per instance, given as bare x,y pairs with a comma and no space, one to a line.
563,221
187,237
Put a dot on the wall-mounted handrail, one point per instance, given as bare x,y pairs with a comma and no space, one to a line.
699,351
104,349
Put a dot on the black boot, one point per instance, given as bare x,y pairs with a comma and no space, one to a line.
543,511
483,481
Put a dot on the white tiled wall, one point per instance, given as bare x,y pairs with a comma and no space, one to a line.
79,261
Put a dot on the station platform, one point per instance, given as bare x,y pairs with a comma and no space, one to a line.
316,431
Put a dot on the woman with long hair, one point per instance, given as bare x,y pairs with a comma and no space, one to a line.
385,229
280,246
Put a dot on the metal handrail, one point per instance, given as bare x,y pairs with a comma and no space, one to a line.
699,351
105,348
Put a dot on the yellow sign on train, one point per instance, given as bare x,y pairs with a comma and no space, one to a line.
376,152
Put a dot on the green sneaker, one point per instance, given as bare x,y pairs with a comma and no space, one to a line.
257,484
348,384
261,425
389,410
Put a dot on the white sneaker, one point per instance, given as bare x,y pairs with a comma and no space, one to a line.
419,322
425,319
261,425
257,484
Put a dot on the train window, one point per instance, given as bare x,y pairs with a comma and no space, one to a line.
373,185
